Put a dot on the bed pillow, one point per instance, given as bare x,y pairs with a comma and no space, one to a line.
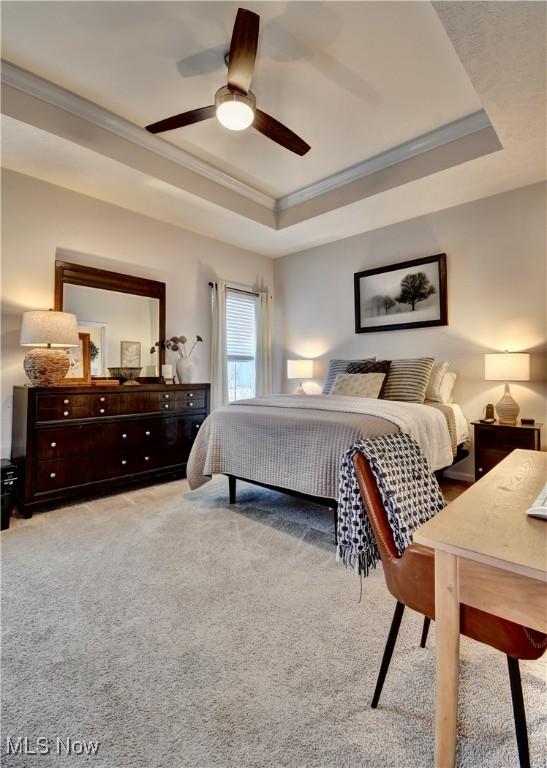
407,380
339,366
435,381
358,384
369,366
446,390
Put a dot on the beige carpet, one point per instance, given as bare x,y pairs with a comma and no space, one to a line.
182,633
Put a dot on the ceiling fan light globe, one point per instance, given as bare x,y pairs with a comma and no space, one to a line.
235,111
235,115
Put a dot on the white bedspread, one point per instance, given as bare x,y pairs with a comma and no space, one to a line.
426,425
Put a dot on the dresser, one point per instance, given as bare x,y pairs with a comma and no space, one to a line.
74,441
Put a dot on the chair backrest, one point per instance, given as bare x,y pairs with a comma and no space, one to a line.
375,509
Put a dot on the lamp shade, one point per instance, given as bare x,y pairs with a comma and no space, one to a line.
300,369
43,327
507,366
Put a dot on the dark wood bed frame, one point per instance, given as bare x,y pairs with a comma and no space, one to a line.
461,454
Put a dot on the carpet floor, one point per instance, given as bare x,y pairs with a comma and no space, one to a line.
180,632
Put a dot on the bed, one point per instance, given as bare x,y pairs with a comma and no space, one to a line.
294,444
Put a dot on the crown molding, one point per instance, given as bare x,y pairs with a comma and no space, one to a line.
50,93
427,141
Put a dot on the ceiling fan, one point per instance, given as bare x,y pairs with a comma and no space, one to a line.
235,103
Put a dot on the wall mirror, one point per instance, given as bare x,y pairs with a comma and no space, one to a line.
123,315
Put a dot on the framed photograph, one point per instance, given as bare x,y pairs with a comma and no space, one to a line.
79,371
130,355
410,294
97,346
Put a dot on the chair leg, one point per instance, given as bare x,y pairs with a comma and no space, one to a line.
518,712
425,630
232,488
390,645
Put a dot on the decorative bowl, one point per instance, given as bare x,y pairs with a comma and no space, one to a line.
126,375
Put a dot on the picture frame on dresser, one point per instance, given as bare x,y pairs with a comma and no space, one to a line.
80,363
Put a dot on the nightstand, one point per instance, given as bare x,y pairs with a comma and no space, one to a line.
493,442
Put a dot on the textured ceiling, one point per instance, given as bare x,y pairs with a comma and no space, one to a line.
353,79
501,47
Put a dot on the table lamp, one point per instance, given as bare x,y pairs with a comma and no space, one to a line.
507,366
300,369
49,333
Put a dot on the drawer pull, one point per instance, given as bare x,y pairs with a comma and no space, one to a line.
66,402
190,394
191,405
147,458
101,410
124,462
166,405
102,399
197,426
124,436
53,445
479,470
166,396
65,413
52,475
147,433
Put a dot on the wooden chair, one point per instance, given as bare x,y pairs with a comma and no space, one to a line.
411,580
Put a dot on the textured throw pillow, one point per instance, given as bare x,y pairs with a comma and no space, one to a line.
407,380
369,366
358,384
339,366
435,381
446,390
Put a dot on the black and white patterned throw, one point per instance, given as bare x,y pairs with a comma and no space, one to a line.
409,491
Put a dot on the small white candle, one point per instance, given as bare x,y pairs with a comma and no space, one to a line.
167,371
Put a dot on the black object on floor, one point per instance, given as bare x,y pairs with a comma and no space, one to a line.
8,480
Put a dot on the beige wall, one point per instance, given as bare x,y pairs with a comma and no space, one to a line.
496,296
41,222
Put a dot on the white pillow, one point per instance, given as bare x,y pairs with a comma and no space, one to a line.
446,390
358,384
435,381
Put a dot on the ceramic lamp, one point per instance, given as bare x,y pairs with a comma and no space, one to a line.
507,366
300,369
49,333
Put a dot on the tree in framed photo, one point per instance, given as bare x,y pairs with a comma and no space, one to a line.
414,288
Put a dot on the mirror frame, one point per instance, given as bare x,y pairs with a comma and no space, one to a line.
91,277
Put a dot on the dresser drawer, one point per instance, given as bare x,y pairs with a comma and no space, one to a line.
60,473
168,431
191,400
112,464
53,407
61,442
103,405
115,436
159,455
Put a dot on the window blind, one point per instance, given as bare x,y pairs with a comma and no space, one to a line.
240,326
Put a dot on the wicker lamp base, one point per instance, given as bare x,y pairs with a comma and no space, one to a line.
507,409
46,367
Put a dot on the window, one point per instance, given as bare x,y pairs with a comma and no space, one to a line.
241,344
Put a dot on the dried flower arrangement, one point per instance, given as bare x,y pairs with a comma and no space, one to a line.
177,344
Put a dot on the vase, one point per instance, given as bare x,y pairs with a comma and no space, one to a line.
185,370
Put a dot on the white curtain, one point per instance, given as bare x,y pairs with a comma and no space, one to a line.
263,344
219,368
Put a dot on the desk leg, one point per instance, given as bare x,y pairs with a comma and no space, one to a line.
447,623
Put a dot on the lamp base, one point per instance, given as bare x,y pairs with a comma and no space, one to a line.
507,409
300,389
46,367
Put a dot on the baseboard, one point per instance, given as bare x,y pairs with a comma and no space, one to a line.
453,474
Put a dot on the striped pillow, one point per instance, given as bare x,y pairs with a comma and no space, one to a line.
407,380
336,367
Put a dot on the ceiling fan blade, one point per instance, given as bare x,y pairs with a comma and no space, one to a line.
276,131
241,59
185,118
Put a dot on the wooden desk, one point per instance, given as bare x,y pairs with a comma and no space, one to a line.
489,555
